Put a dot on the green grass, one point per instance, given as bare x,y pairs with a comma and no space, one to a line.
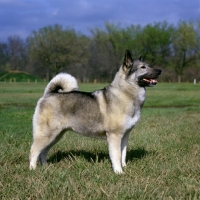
163,160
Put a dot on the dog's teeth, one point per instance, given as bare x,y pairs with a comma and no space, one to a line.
151,81
144,79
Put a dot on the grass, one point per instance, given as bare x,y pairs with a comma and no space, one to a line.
163,159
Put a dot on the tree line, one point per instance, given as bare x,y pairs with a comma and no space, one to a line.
53,49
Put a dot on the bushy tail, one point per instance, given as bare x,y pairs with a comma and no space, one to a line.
61,83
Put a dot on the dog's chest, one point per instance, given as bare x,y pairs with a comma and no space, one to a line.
132,119
141,95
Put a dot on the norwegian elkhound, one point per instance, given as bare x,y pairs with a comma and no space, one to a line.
109,113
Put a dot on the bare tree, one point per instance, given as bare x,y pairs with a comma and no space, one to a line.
17,53
4,56
103,60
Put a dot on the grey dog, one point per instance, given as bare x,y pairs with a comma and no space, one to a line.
109,113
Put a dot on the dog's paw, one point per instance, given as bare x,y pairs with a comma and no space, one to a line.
124,164
118,171
32,166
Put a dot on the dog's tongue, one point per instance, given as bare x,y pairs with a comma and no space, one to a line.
151,81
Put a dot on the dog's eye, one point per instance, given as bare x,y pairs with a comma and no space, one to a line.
143,67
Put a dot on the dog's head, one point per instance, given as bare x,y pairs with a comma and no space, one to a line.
139,71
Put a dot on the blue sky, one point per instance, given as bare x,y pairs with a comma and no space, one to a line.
21,17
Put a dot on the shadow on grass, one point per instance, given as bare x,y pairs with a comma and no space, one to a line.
92,157
136,154
60,155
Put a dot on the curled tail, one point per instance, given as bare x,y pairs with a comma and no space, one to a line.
61,83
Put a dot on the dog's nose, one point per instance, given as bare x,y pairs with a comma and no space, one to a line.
158,71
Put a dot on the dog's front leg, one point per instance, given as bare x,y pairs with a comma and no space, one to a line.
124,147
114,145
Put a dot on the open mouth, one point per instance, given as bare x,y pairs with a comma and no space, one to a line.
150,81
147,82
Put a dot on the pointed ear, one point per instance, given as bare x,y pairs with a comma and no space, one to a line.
140,57
127,60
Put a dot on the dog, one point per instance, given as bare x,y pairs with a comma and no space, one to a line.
109,113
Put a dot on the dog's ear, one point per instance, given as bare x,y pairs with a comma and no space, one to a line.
140,57
128,61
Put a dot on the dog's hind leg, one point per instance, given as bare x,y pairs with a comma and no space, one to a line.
124,148
43,154
114,145
41,145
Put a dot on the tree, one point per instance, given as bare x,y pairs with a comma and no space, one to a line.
198,39
198,44
183,47
4,57
102,59
56,48
154,43
123,39
17,52
108,47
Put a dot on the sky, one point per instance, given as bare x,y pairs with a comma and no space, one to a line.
21,17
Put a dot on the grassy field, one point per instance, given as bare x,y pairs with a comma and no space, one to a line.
163,160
